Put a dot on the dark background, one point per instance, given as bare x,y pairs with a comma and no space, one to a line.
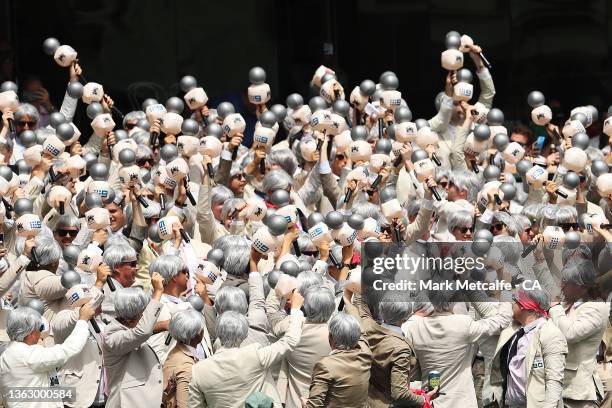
561,47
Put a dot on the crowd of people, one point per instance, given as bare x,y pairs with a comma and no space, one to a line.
171,260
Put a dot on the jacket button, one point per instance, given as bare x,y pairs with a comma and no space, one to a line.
159,366
99,367
160,381
98,381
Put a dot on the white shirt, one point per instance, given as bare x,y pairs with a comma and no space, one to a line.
34,366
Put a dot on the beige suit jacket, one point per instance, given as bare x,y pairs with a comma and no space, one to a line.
391,361
226,379
133,371
45,286
83,370
447,343
7,279
313,346
341,379
178,368
544,366
583,328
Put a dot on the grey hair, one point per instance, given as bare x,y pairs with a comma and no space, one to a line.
168,266
319,303
143,152
285,159
153,210
459,218
413,207
133,116
533,211
345,331
566,214
336,252
467,181
142,138
67,221
231,298
540,296
522,221
21,322
43,133
237,253
116,239
510,247
422,303
594,153
395,309
47,249
116,254
232,329
276,180
305,243
235,169
508,221
581,272
308,279
186,325
26,109
367,210
219,195
441,172
441,300
229,205
130,303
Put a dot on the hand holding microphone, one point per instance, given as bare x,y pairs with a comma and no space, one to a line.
167,227
9,102
424,169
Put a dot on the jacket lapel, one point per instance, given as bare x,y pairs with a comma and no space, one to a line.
532,349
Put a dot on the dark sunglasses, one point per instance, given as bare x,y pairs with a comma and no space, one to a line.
566,226
133,264
142,162
464,230
310,253
239,176
130,126
65,233
23,123
497,227
443,184
340,156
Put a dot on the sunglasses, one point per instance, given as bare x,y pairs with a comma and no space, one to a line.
464,230
130,126
566,226
23,123
65,233
239,176
340,156
443,184
142,162
133,264
310,253
497,227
